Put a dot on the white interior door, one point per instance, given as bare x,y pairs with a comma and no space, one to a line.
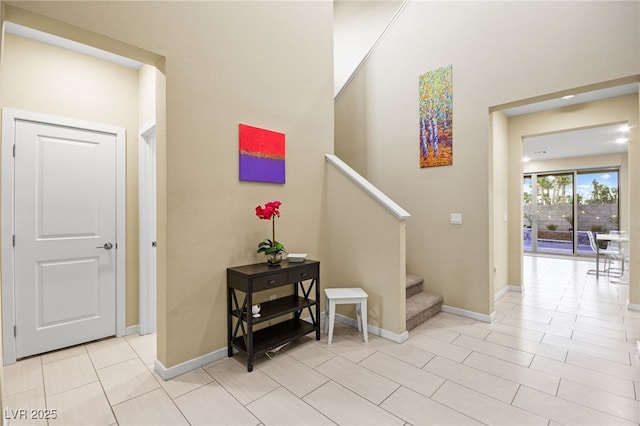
65,236
147,224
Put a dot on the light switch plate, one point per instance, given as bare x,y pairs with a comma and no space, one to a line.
456,218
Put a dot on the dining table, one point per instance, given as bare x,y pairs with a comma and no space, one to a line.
620,238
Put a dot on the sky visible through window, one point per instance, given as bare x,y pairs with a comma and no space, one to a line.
584,182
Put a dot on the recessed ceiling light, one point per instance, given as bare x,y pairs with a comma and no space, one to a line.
566,98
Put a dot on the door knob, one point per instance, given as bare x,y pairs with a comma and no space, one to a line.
106,246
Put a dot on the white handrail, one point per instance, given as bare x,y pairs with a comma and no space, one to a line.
368,187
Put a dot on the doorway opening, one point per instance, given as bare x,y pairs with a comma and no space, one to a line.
124,98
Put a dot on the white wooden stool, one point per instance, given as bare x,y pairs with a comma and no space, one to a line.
341,296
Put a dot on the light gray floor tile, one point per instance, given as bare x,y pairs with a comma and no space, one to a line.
68,373
597,399
484,408
585,376
563,411
495,350
514,372
153,408
108,352
529,346
405,374
401,351
417,409
475,379
244,386
348,349
213,405
437,347
588,348
126,380
184,383
282,408
311,354
84,405
18,408
22,376
293,375
347,408
358,379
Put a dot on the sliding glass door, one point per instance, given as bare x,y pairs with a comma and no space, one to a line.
548,215
598,207
564,211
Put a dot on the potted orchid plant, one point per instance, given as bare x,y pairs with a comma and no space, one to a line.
271,248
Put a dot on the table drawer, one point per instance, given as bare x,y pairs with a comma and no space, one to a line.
303,273
270,281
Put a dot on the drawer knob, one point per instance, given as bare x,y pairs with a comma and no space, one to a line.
272,281
304,274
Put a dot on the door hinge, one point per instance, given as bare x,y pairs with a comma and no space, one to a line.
14,331
14,150
154,244
14,240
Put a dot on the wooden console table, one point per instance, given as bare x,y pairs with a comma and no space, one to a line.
250,279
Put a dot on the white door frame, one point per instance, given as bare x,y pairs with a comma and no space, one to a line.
147,226
9,118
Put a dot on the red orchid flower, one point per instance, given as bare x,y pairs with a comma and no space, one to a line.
269,212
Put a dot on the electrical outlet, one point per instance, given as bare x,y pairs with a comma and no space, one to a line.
272,297
638,348
456,218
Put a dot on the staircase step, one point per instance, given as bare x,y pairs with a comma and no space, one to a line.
414,285
421,307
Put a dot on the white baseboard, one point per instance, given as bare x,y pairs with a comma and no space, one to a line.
500,293
516,288
633,306
469,314
508,288
134,329
192,364
377,331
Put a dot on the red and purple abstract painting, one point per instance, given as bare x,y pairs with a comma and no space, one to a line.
261,155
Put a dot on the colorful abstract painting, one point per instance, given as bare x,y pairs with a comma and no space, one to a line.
436,118
261,155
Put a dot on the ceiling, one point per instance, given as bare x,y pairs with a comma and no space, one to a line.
574,143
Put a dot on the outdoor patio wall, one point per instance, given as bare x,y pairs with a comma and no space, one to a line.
600,215
365,245
500,52
266,64
613,110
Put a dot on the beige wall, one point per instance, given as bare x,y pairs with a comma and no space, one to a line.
147,83
499,54
499,210
365,247
609,111
42,78
267,64
356,27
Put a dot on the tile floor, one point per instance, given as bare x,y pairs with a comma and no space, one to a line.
562,353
